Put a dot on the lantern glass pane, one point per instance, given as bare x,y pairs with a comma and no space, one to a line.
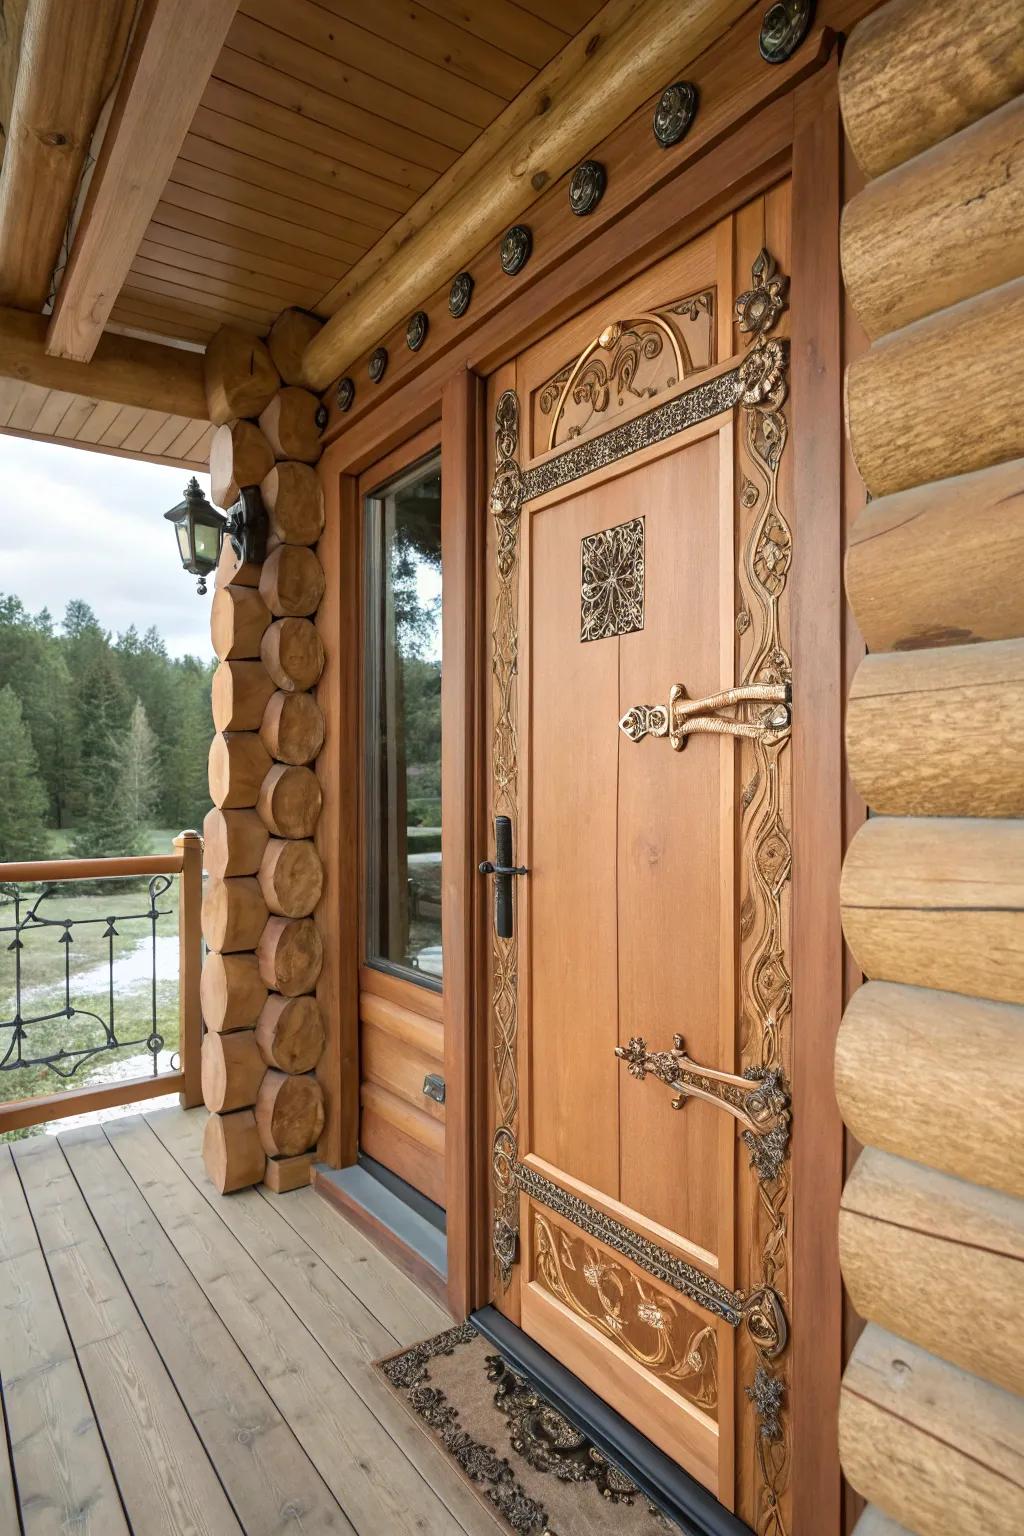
181,529
207,542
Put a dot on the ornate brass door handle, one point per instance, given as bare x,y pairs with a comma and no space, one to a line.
758,1100
685,717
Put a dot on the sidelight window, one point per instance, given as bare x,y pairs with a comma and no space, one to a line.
403,707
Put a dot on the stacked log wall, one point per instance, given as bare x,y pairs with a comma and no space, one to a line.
265,1030
930,1055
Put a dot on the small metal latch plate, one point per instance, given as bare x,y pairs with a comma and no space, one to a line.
433,1087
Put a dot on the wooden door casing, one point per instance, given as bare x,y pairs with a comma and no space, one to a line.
595,1174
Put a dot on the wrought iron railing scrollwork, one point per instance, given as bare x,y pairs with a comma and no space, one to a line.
35,915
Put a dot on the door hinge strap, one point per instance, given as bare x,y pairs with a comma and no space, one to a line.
759,1099
684,717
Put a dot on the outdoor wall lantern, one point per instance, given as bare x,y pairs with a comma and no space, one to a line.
200,530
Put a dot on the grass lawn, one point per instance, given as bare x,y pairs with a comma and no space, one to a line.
56,974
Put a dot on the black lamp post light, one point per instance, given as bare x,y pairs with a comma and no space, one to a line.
200,530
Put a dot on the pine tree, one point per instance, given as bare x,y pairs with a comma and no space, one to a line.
136,762
23,833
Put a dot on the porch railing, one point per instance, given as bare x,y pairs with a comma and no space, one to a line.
35,1012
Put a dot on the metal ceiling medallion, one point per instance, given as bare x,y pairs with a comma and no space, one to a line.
346,394
675,112
785,25
516,245
460,295
416,330
378,365
586,188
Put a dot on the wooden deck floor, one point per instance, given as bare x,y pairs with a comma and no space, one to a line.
174,1363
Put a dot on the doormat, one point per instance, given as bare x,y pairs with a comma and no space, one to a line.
535,1469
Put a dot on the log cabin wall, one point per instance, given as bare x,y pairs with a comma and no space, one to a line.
930,1056
265,1028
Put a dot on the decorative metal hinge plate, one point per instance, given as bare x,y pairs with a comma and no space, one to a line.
758,1100
685,717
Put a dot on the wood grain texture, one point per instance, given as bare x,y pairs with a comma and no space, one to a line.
289,1113
239,376
928,732
232,1070
660,36
912,76
68,62
234,913
238,620
219,1389
232,991
289,800
294,502
291,581
289,336
935,1260
935,1447
64,1477
293,728
123,369
290,955
969,1052
909,397
239,695
293,653
233,842
290,1033
290,423
240,454
238,765
943,227
941,564
164,1475
232,1151
938,903
291,876
173,49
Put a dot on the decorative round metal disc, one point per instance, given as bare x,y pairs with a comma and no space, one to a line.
460,295
346,394
515,249
675,112
416,330
321,417
378,363
783,28
586,188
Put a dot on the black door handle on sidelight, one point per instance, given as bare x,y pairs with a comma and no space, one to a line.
502,869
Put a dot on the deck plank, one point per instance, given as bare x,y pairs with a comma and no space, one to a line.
266,1473
405,1310
166,1480
338,1321
379,1489
64,1478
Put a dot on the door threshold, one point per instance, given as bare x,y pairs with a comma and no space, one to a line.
400,1221
681,1497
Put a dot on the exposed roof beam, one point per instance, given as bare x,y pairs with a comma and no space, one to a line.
12,19
647,52
123,369
171,58
70,55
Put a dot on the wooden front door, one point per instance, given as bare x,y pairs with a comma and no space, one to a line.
640,741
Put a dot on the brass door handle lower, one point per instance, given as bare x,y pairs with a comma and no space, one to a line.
684,717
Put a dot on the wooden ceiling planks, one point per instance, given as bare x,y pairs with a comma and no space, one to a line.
322,123
52,415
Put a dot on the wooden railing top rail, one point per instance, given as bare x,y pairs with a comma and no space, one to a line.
91,869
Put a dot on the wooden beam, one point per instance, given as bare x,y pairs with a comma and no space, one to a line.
171,58
124,370
12,20
70,55
659,39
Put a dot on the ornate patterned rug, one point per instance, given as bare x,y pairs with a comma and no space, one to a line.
536,1470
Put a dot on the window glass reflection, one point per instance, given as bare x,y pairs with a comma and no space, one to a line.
403,801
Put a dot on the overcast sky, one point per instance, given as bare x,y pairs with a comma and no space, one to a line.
91,525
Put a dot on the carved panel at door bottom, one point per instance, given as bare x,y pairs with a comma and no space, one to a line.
645,1322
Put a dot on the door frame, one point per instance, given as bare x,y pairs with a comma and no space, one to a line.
797,132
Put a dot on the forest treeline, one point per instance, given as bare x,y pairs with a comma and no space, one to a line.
101,736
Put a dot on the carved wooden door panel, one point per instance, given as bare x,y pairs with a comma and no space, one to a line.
640,723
